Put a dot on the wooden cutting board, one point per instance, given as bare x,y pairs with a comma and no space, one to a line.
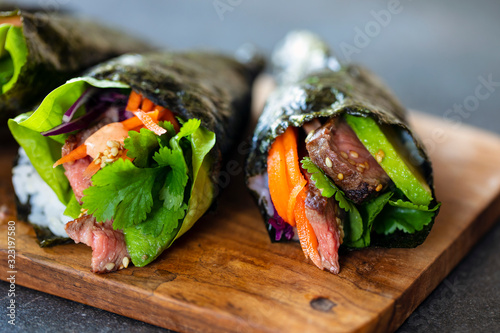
225,274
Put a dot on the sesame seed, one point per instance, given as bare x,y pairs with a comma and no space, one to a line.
109,266
379,156
360,169
361,165
354,154
109,160
97,161
351,161
367,165
106,152
110,143
114,151
339,221
378,188
340,176
125,262
344,154
328,162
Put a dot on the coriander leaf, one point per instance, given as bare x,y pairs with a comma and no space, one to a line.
353,230
320,179
173,191
408,204
369,212
121,191
325,185
141,146
404,216
144,247
188,128
164,139
373,207
161,219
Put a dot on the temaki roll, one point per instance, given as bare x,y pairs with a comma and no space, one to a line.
39,51
133,147
333,160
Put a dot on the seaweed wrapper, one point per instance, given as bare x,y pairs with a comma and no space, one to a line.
59,47
326,93
211,87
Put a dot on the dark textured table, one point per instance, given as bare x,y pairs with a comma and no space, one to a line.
433,55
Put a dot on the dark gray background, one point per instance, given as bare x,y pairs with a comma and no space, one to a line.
430,53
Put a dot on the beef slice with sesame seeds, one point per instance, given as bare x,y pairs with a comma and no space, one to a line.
335,148
109,251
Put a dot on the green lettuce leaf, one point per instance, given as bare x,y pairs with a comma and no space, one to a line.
13,55
203,189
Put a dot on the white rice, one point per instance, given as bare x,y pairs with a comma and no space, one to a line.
46,209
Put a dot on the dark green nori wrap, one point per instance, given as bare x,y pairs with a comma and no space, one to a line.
59,46
329,93
211,87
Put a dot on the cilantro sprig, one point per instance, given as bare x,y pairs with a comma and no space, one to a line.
148,193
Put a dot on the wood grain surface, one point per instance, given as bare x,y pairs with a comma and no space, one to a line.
225,274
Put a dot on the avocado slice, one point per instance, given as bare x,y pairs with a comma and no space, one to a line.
383,146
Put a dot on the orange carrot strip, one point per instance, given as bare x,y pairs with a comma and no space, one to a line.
147,105
75,154
169,116
134,122
296,180
149,123
292,202
155,115
278,183
13,20
134,101
91,170
307,237
131,123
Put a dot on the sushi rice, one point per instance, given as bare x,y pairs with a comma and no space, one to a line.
45,208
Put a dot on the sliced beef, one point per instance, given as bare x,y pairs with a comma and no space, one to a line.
74,170
335,148
109,252
325,217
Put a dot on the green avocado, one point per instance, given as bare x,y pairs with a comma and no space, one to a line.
383,146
